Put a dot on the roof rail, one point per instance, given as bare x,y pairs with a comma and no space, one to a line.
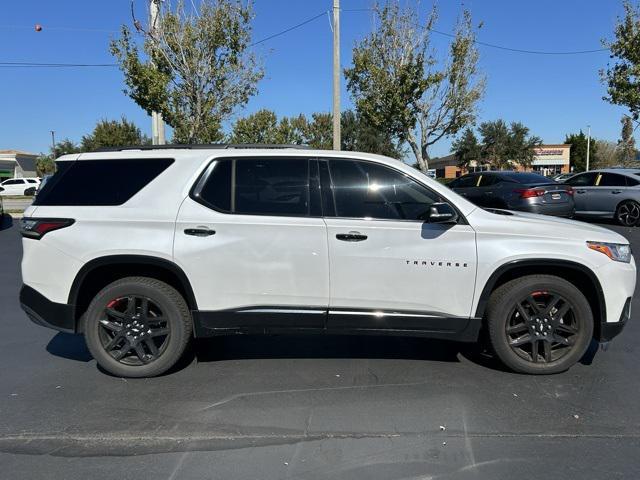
201,146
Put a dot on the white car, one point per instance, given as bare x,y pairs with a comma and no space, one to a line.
174,243
20,186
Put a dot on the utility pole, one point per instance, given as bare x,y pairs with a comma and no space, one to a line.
53,144
157,124
336,74
588,146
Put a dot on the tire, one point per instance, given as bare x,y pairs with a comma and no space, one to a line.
529,340
30,192
628,213
130,316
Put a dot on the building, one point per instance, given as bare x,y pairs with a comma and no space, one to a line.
16,164
548,160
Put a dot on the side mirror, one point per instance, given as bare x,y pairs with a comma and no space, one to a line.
440,212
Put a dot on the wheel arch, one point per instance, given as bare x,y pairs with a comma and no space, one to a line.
579,275
101,271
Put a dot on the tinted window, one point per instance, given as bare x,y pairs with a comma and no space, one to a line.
32,181
214,189
582,180
12,182
272,186
488,179
464,182
524,177
368,190
612,180
99,182
632,182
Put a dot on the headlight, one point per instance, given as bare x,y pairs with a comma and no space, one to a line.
619,252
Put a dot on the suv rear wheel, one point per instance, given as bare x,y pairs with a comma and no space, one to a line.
137,327
539,324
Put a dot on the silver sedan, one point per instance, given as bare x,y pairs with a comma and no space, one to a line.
608,193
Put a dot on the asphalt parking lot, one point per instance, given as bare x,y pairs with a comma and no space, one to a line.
309,408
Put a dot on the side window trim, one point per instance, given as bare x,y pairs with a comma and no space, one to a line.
461,218
206,172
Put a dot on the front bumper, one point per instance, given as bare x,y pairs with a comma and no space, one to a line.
609,330
43,311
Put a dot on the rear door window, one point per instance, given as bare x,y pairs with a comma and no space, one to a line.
465,181
611,180
262,186
99,182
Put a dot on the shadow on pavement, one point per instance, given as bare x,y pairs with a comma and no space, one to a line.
6,221
69,346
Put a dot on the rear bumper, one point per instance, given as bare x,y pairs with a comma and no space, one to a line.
43,311
566,210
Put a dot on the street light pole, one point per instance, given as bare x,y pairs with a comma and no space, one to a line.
336,74
53,144
157,124
588,145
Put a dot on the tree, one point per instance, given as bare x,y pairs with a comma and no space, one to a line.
578,152
467,149
196,69
608,155
45,165
359,135
399,87
627,144
259,127
623,77
505,146
113,133
65,147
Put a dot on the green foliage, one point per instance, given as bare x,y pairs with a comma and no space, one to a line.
578,153
65,147
627,144
467,149
317,132
45,165
502,147
196,69
113,133
623,77
399,88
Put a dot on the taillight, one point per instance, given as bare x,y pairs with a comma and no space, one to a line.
530,192
37,228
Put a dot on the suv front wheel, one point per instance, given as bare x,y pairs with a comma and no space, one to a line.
137,327
539,324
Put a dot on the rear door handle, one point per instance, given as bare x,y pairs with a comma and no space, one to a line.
581,191
351,237
615,192
199,232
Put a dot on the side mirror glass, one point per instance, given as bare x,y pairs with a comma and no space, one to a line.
440,212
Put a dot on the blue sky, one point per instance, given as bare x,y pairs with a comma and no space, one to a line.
553,95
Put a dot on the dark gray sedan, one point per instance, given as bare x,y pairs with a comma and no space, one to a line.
608,193
524,191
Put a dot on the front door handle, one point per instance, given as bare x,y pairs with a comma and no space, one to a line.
351,237
199,232
581,191
615,192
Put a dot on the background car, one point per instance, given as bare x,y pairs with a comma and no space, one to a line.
20,186
524,191
608,193
562,177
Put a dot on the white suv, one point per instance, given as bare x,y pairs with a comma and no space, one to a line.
181,242
20,186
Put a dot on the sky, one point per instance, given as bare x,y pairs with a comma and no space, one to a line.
551,94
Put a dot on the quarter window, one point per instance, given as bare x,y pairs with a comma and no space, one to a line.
612,180
368,190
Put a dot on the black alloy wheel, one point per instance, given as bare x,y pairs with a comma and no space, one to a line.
133,330
539,324
542,327
137,327
628,213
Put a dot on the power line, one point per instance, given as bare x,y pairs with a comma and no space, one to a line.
60,65
499,47
309,20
